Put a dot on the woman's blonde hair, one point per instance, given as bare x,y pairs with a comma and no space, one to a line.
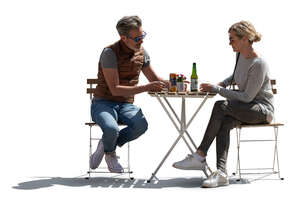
245,28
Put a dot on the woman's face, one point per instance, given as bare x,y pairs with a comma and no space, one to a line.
235,42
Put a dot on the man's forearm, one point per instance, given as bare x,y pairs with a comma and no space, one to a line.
121,90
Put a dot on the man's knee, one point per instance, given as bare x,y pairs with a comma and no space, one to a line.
110,131
140,126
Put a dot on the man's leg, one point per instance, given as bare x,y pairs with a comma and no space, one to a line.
105,115
133,117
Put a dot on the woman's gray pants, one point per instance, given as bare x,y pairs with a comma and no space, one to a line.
225,116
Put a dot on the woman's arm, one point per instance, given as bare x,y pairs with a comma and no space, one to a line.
254,83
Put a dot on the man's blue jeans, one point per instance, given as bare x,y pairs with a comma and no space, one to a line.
107,114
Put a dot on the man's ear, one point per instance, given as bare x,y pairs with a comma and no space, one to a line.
123,38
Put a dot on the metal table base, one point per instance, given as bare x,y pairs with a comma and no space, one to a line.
183,126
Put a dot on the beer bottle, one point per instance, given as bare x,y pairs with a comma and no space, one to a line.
194,79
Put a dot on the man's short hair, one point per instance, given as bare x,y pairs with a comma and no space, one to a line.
127,24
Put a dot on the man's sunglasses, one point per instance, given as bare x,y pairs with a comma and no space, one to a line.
138,38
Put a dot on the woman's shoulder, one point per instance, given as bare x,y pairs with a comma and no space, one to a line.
259,64
260,60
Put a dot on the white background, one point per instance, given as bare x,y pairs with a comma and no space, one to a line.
49,48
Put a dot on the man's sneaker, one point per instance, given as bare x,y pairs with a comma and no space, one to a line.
112,163
190,163
216,179
97,156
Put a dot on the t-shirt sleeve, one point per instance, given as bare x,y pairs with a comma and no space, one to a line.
146,59
108,59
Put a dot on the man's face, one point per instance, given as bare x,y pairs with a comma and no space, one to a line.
135,39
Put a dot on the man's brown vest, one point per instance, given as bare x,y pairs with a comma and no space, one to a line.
129,67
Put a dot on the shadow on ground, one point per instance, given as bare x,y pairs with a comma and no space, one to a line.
114,182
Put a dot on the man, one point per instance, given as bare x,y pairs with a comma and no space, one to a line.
118,74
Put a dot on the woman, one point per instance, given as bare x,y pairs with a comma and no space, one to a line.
252,104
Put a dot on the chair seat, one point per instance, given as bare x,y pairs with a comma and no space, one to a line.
90,123
94,124
260,125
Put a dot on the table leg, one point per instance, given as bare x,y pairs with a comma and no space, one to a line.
163,160
182,130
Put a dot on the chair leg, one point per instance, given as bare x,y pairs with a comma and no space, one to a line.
128,162
275,169
276,157
238,164
90,153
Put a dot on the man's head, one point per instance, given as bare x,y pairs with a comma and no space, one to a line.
131,32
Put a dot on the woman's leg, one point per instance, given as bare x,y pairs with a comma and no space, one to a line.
223,142
213,127
225,116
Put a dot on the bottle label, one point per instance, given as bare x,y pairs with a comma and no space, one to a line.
173,82
194,84
180,87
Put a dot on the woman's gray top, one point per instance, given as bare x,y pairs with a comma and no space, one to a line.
252,78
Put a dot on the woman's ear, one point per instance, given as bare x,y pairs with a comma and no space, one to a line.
245,39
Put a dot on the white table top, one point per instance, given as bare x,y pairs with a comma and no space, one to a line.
182,94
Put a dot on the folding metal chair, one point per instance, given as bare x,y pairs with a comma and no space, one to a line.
263,171
91,90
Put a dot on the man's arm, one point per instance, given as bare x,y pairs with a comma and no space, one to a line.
152,76
112,79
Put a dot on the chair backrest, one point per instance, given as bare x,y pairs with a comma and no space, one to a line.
91,89
92,82
273,83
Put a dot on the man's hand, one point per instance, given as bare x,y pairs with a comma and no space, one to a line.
156,86
167,83
221,84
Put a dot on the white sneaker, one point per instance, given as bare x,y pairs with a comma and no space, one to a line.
190,163
216,179
112,163
97,156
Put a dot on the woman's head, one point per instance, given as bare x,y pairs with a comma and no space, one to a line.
245,29
242,34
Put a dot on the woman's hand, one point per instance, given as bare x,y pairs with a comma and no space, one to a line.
206,87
